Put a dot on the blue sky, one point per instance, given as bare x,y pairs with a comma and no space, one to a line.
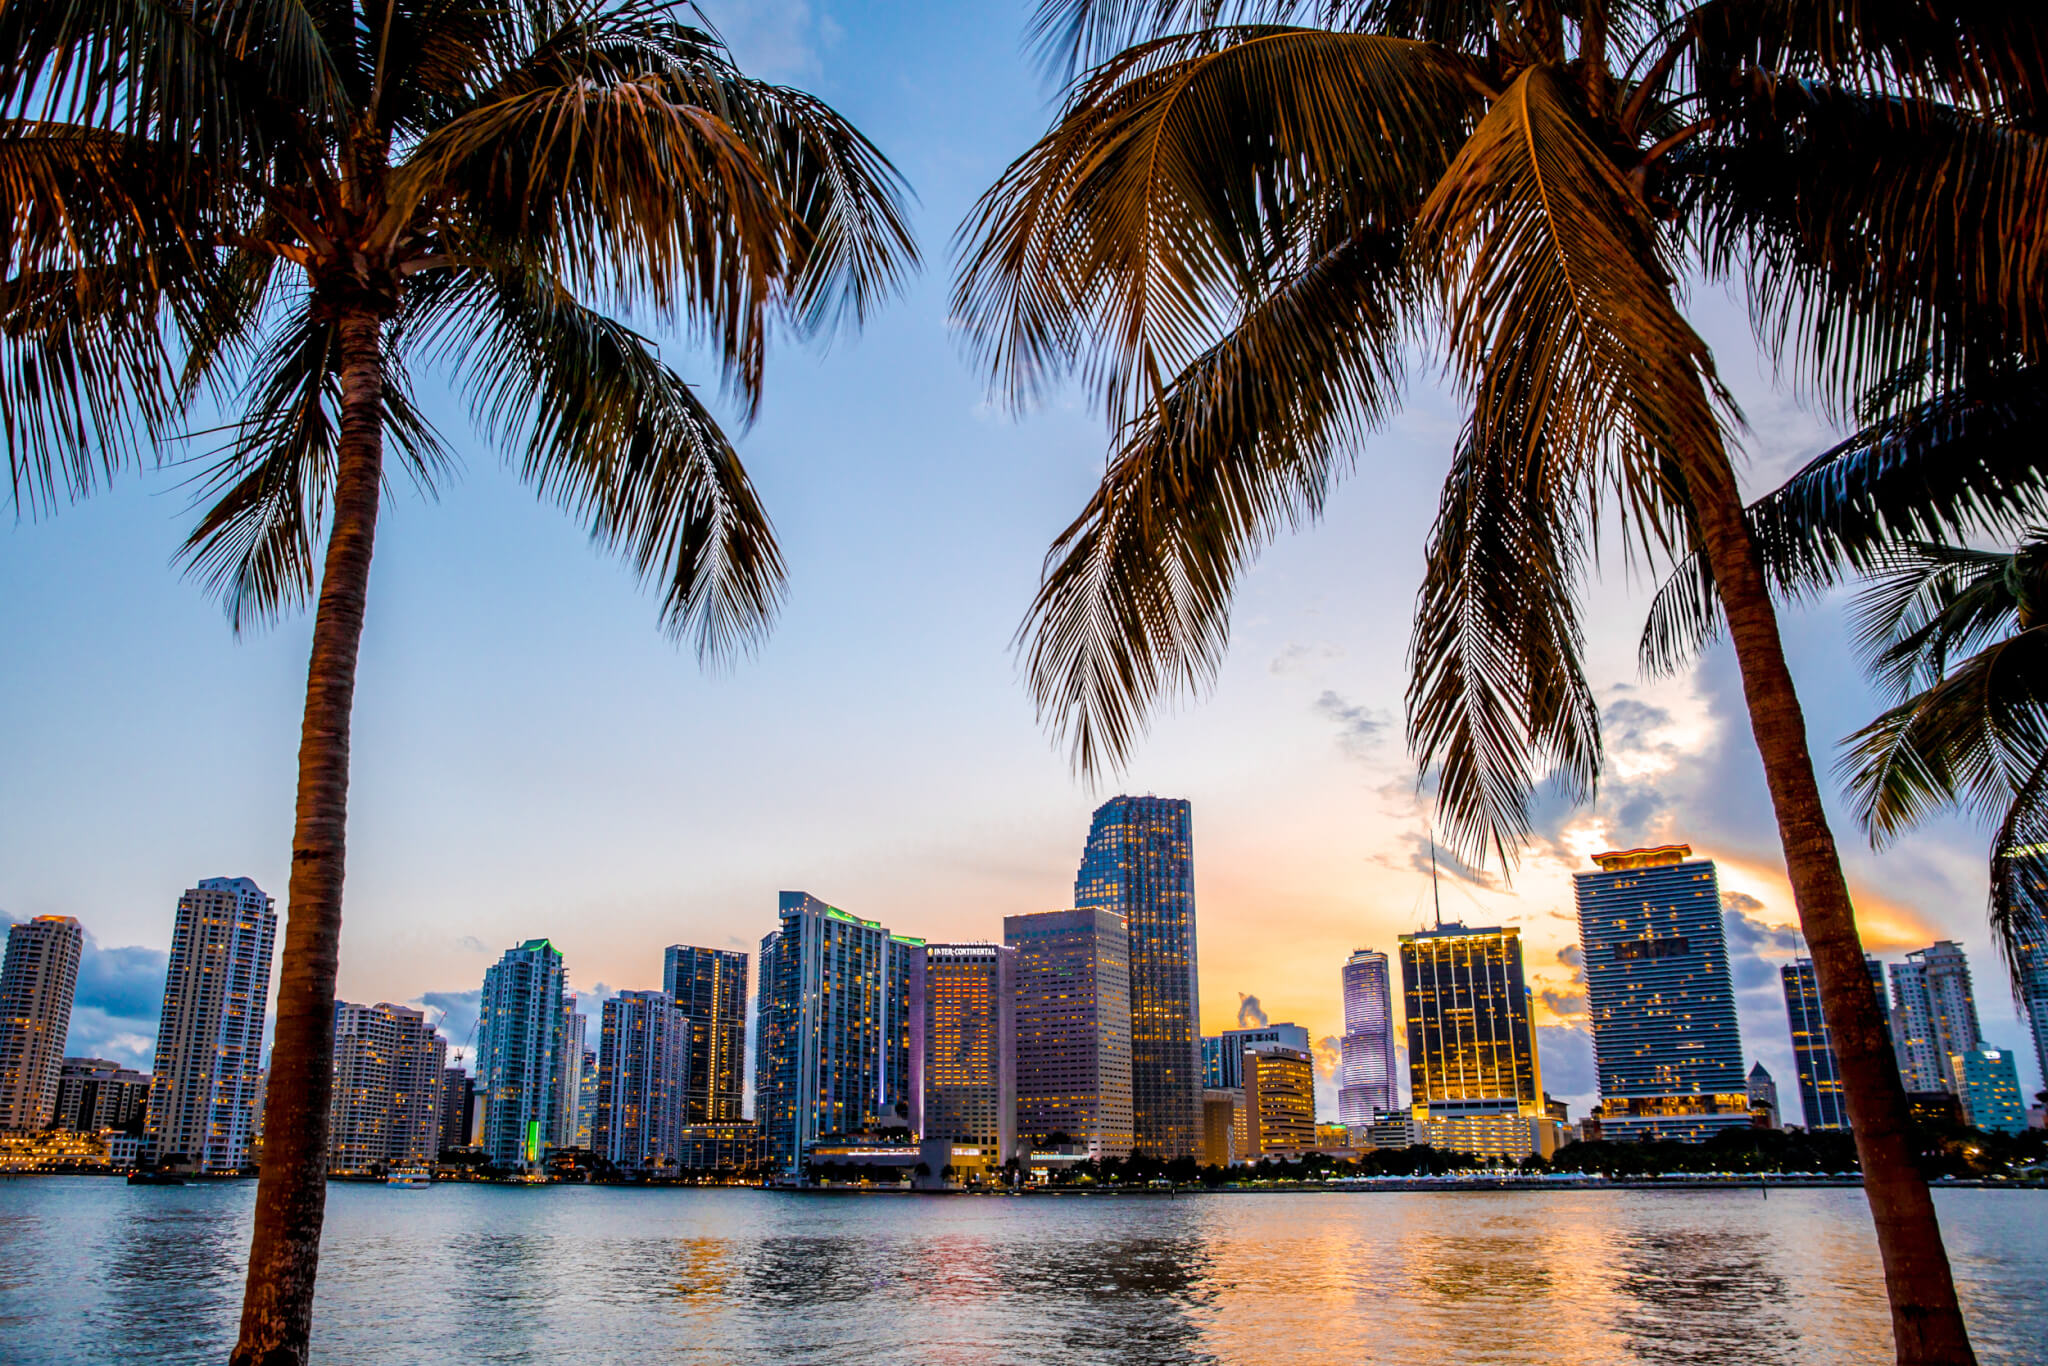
532,756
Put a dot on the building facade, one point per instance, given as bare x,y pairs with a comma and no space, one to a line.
2032,984
1223,1054
458,1106
1665,1040
1988,1085
733,1148
841,1019
710,986
518,1051
1763,1096
568,1082
1934,1015
386,1109
970,1045
1139,862
1367,1080
38,979
1821,1097
1073,1028
1471,1031
209,1038
1279,1100
1225,1128
643,1073
95,1094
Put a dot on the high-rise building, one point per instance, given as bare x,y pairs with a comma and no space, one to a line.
386,1110
1988,1085
710,986
1934,1015
1367,1079
2033,993
1763,1096
1279,1100
95,1094
458,1103
1225,1128
586,1102
568,1082
1140,863
1223,1054
1821,1097
1665,1040
642,1076
209,1039
38,979
520,1019
840,1024
1471,1032
970,1046
1073,1023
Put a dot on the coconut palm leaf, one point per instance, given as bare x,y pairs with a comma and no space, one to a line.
2019,873
1928,605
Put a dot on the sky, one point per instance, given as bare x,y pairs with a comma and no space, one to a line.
532,757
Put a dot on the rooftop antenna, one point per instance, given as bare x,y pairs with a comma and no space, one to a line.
1435,893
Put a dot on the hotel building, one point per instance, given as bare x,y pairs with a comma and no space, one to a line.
1665,1041
388,1065
1821,1097
1368,1080
38,979
518,1051
643,1067
1139,863
970,1045
1073,1023
710,986
1934,1015
209,1039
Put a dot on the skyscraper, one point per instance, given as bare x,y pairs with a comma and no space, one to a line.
1279,1100
1988,1085
518,1051
586,1102
1073,1027
458,1102
1367,1081
1665,1041
386,1111
642,1076
1223,1054
1140,863
568,1083
37,981
1821,1096
841,1014
2033,993
1471,1032
970,1045
1763,1096
209,1041
710,986
1934,1015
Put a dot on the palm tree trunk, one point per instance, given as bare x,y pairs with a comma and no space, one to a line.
277,1303
1927,1323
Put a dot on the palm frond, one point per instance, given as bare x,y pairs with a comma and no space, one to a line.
1963,463
2019,874
1135,598
1184,179
618,439
1927,604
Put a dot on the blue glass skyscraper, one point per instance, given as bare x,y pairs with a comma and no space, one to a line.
1140,863
2033,992
1665,1041
1820,1076
520,1020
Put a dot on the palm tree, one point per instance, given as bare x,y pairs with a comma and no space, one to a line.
1237,221
289,206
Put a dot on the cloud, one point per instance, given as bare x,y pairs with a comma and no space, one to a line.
1755,949
1419,859
1566,1005
119,1002
782,40
455,1018
471,944
1299,659
1250,1014
1568,1072
1329,1055
1574,957
1358,727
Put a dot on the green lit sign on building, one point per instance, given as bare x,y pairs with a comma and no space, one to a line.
532,1140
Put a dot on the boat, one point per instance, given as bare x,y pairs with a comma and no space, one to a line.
154,1179
409,1179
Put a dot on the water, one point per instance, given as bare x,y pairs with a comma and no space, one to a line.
93,1270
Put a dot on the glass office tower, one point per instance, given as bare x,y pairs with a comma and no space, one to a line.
1471,1035
1367,1081
1073,1022
710,986
1820,1077
1139,863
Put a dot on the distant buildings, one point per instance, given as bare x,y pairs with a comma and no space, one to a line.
1223,1054
209,1039
1279,1100
388,1065
732,1146
518,1052
710,986
1988,1085
1073,1022
568,1080
839,1003
642,1076
1367,1081
38,979
586,1100
458,1105
2033,994
1763,1096
1821,1096
1139,863
95,1094
970,1045
1665,1040
1934,1015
